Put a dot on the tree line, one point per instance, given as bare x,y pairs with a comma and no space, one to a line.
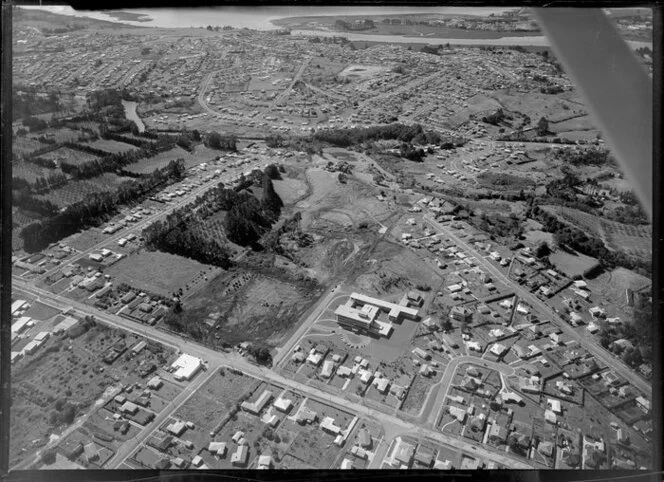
414,134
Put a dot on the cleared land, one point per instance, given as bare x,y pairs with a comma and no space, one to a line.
158,272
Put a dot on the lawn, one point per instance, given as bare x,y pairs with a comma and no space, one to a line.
572,264
40,311
157,272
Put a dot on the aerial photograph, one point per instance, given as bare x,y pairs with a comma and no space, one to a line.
322,238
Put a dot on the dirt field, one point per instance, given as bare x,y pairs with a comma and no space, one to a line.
158,272
249,306
289,189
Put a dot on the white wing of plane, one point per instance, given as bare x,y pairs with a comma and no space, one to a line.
615,85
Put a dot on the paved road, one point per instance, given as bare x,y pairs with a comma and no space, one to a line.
597,351
443,387
236,362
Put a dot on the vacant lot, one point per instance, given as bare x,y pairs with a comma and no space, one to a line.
289,189
249,306
158,272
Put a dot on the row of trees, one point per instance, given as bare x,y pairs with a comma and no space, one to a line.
414,134
567,236
96,207
219,141
108,163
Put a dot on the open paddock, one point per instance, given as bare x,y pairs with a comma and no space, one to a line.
111,146
158,272
146,166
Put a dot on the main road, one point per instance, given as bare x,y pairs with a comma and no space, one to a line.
597,351
233,360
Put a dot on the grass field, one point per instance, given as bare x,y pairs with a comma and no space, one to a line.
85,239
158,272
146,166
111,146
572,264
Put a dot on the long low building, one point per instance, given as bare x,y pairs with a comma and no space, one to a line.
360,313
186,366
395,312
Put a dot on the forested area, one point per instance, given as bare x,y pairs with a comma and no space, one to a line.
248,219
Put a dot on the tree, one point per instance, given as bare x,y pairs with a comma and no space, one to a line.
542,127
48,457
543,250
633,357
446,325
272,171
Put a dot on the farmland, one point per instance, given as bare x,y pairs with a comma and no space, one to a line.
75,191
146,166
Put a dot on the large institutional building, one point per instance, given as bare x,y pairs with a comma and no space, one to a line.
360,314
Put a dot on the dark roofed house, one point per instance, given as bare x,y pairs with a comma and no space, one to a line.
424,456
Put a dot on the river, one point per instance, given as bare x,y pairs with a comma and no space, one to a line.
526,41
260,18
257,18
130,113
